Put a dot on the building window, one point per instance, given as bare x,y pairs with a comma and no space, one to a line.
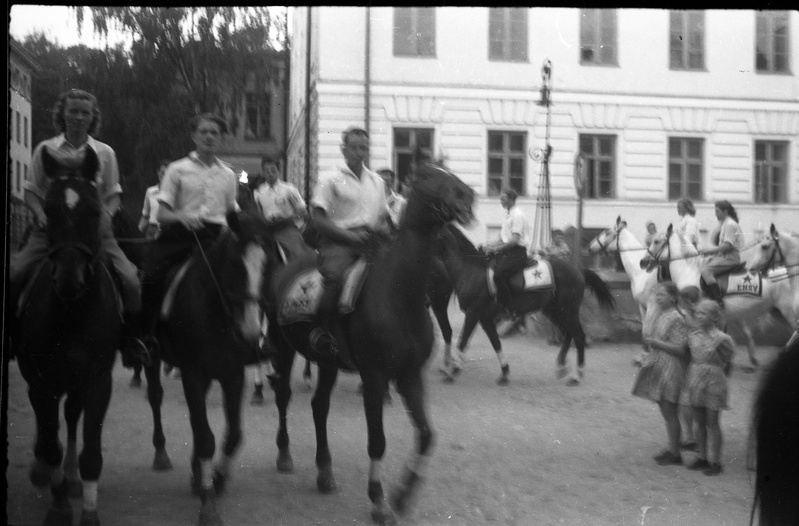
599,152
598,37
507,34
415,31
773,34
771,172
687,41
19,175
19,140
506,162
685,168
258,123
25,131
407,141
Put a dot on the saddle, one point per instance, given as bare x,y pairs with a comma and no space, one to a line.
535,276
738,281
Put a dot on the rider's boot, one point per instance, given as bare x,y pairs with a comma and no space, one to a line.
328,339
504,298
133,346
714,293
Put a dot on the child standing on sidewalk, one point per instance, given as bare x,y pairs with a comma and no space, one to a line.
706,383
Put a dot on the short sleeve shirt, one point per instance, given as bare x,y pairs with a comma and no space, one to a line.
351,202
281,201
730,232
67,155
515,222
192,186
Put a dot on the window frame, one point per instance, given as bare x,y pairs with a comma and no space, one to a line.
594,17
685,28
685,161
592,173
506,21
506,155
769,164
414,35
769,18
410,150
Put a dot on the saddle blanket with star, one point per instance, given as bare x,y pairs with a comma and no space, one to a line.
300,298
535,277
745,282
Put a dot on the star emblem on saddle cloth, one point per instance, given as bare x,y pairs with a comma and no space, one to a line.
536,274
748,279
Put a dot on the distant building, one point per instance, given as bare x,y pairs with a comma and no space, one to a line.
20,69
258,123
662,104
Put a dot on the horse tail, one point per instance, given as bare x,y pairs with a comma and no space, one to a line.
600,289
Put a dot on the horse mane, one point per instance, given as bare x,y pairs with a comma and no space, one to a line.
775,430
465,247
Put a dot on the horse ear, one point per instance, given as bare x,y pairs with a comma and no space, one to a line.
91,164
669,230
618,220
773,231
50,164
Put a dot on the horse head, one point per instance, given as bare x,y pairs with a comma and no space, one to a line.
73,209
771,252
243,269
437,197
602,242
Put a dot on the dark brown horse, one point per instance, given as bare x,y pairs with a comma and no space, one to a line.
211,334
389,334
68,332
467,267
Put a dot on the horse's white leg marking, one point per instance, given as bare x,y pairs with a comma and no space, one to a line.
418,464
375,471
501,357
90,495
254,258
223,466
206,474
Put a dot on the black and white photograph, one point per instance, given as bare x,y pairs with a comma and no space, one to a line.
429,266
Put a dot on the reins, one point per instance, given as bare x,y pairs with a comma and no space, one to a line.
225,306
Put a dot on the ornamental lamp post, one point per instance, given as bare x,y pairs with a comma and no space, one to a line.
542,227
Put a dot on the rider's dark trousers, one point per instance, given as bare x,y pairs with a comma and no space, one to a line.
509,261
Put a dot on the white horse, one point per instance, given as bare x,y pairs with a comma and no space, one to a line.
780,248
685,267
642,282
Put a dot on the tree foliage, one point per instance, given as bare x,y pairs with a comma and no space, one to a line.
180,61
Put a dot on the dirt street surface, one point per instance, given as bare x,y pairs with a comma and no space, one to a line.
535,452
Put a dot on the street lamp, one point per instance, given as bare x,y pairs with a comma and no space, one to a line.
542,227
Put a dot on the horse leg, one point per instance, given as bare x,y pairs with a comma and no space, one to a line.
96,397
281,384
72,410
258,384
750,347
469,324
411,388
155,396
232,392
306,375
48,454
195,389
374,385
320,404
439,306
490,328
572,329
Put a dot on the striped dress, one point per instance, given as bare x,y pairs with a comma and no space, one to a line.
661,375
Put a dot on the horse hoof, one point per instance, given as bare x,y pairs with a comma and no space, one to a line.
285,464
196,487
325,481
161,461
39,474
504,377
561,372
74,488
572,382
59,514
220,481
383,516
135,382
257,398
209,516
89,518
